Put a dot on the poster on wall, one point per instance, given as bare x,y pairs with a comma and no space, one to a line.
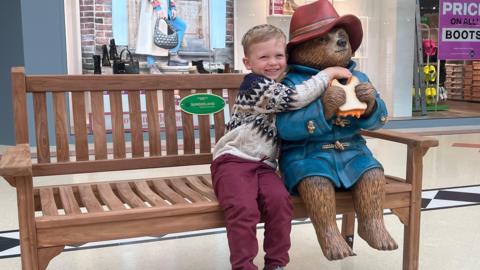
459,33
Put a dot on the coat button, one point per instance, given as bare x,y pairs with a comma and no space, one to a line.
311,127
383,119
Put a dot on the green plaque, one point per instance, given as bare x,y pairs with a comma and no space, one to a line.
202,104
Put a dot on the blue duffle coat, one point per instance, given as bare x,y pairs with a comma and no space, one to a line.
311,152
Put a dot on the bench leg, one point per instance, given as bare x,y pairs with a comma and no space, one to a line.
26,219
348,228
411,241
411,235
45,255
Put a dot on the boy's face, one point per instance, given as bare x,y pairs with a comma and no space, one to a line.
267,58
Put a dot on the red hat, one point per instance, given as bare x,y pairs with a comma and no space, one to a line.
318,18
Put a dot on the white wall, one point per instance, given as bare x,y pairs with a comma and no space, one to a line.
389,37
247,13
390,40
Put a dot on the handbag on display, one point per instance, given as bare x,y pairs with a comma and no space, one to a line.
163,40
129,65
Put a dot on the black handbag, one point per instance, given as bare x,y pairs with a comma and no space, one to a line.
129,65
163,40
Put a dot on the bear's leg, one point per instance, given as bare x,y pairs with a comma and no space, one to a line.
368,197
319,197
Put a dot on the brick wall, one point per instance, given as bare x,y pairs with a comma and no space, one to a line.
96,29
229,37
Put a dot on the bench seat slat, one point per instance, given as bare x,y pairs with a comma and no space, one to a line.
127,195
207,180
88,199
109,198
181,187
69,202
196,183
47,200
143,189
162,188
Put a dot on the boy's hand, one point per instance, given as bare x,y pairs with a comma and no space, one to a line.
338,73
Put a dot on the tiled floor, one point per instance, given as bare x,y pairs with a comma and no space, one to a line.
449,231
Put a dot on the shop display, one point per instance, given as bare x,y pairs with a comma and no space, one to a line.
467,80
276,7
163,40
454,80
475,94
127,65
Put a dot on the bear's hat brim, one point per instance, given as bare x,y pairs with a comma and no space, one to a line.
318,18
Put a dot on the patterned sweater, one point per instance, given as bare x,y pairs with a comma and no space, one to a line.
251,132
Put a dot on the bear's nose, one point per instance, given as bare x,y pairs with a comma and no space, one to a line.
341,43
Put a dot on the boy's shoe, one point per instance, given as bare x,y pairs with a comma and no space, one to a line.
275,268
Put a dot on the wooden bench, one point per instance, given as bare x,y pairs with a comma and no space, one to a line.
51,217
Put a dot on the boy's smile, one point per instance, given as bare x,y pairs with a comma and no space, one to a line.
267,58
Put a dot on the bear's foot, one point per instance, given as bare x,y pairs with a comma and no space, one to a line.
376,235
334,247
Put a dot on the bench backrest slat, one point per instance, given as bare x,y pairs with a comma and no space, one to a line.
118,137
170,122
219,118
61,126
80,125
98,125
232,94
204,130
153,123
136,129
41,127
188,130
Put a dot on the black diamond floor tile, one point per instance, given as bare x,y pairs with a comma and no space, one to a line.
458,196
8,243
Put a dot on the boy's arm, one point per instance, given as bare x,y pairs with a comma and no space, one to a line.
268,96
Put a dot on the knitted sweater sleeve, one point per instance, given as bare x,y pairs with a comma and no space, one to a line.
264,95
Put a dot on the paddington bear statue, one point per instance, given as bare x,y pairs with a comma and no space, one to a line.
321,148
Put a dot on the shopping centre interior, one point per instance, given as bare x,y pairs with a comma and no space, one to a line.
425,95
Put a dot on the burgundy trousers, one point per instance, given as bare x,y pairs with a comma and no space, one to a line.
248,191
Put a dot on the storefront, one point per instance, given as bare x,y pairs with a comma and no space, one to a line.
215,29
451,58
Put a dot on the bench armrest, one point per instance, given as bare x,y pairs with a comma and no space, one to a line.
400,137
16,161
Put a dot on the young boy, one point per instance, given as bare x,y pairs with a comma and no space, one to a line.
243,170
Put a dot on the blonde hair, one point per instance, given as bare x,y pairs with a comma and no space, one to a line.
261,33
